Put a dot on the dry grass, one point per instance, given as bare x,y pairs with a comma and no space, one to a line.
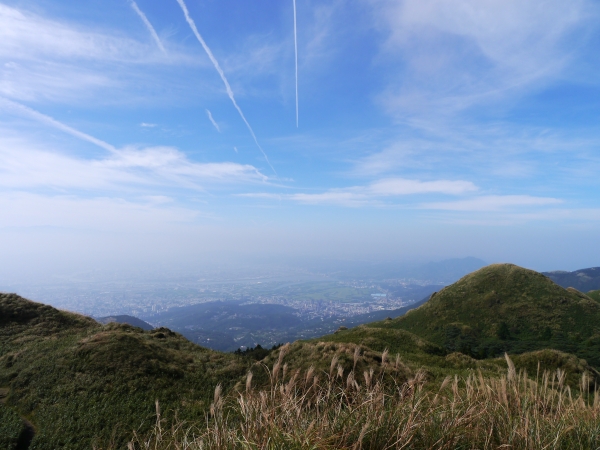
345,410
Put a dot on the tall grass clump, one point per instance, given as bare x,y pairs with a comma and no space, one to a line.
341,409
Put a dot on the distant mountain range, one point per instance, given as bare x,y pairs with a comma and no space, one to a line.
583,280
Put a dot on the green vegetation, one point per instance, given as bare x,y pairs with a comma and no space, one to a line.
11,427
594,294
82,384
339,409
257,353
505,308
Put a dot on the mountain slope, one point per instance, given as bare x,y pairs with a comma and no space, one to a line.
594,295
504,307
81,383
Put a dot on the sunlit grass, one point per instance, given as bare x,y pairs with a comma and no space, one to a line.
340,409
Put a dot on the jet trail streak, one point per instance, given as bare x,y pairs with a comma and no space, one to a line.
212,120
192,25
43,118
296,57
148,25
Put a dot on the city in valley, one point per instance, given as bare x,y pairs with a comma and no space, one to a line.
240,308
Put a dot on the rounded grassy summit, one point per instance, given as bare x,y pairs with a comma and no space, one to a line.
504,307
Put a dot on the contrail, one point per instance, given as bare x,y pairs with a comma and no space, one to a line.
210,117
296,55
222,75
43,118
148,25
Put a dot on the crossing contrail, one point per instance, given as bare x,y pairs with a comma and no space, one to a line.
148,25
296,57
212,120
192,25
43,118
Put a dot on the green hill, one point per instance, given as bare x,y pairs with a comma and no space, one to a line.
80,382
505,308
594,294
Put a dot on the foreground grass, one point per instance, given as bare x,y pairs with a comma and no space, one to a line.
341,409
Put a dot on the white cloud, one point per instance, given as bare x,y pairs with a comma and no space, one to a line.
27,80
461,53
25,165
43,58
27,36
403,186
339,197
373,193
493,203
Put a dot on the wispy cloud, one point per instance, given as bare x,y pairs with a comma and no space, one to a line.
210,117
493,203
212,58
375,192
27,36
148,25
460,54
25,165
402,186
63,61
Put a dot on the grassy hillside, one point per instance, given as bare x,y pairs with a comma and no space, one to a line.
11,428
129,320
82,383
594,294
503,308
346,409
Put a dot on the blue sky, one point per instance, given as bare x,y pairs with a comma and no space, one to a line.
426,129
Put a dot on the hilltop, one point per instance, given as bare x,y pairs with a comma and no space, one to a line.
505,308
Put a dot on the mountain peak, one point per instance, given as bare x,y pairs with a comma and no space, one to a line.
504,307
